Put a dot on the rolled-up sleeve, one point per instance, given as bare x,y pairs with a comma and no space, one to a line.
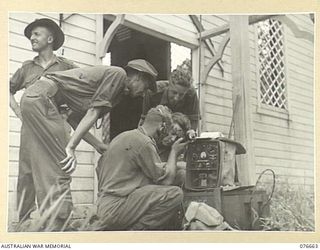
149,161
111,87
16,81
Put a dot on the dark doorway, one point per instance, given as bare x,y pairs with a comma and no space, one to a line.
129,44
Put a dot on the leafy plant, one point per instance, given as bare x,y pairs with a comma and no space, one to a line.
291,209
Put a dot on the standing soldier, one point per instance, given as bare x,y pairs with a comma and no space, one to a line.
89,92
45,37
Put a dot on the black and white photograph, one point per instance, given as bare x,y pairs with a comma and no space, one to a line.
161,122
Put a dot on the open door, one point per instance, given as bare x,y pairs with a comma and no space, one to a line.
129,44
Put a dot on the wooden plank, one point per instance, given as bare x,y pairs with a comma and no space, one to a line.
297,133
268,136
80,45
219,101
82,184
212,127
12,207
239,42
305,59
305,50
175,22
285,164
80,21
14,124
222,92
149,26
216,74
216,82
79,56
275,123
30,16
13,168
306,93
274,153
21,54
13,67
211,21
225,28
18,40
285,147
12,184
84,34
82,197
218,119
293,41
220,110
303,21
298,72
297,107
302,121
288,173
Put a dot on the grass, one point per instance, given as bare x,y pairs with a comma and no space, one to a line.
291,209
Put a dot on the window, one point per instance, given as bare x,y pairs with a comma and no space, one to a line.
271,58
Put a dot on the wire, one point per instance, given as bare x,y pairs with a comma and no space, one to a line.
273,185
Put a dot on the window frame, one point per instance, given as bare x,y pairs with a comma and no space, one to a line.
266,109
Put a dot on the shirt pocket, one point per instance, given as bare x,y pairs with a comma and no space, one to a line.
35,90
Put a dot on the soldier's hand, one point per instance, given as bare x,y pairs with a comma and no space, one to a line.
178,146
70,161
102,148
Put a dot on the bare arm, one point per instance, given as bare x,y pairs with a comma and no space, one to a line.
171,166
89,138
85,124
15,106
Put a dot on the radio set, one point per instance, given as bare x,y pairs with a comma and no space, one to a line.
211,163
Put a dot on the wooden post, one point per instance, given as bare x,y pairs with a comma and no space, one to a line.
243,132
197,68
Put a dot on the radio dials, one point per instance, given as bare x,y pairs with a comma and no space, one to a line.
211,149
203,155
194,157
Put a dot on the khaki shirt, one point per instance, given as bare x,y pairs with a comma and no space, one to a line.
131,162
31,71
91,87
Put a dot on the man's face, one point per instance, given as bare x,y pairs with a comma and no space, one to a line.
40,38
136,86
175,133
176,93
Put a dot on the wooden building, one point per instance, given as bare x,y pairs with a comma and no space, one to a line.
254,72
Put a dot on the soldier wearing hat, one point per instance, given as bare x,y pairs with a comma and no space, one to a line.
126,115
45,37
89,92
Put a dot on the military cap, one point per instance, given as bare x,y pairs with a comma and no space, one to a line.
52,26
146,67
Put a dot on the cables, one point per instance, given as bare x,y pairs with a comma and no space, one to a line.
273,185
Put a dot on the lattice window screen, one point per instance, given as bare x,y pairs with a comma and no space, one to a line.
272,64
